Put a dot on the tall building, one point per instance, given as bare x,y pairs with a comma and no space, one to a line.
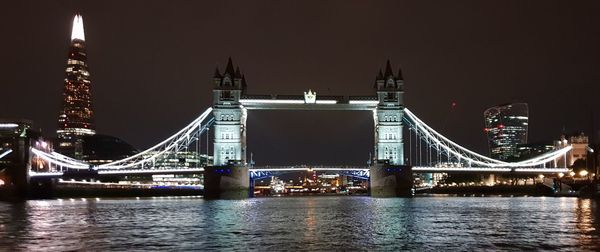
76,118
506,127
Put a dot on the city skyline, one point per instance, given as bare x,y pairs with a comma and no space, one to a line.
116,84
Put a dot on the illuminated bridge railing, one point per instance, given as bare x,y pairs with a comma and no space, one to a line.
428,148
425,151
52,162
432,169
4,153
268,171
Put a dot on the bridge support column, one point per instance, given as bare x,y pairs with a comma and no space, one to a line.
391,180
226,182
16,174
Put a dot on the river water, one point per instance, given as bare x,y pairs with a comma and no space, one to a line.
302,223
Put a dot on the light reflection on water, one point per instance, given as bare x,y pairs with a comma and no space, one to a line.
302,223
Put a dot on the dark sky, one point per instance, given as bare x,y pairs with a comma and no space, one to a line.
152,62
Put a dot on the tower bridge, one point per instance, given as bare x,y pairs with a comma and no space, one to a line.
403,144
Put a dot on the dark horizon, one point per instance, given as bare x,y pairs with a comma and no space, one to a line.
151,66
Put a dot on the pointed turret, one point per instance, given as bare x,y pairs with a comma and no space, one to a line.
217,73
238,73
77,30
388,80
388,70
229,69
379,75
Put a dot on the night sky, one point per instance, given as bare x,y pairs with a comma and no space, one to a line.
152,63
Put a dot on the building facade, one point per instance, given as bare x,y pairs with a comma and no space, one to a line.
388,116
506,127
230,116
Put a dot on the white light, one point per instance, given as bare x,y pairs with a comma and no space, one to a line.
77,31
8,125
5,153
146,171
461,169
589,149
365,102
326,102
541,170
268,101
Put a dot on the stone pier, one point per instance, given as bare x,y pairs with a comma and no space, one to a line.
15,175
226,182
391,180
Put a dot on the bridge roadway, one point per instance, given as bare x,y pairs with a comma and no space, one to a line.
358,169
299,103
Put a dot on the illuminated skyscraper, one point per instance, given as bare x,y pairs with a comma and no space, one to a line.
76,117
506,127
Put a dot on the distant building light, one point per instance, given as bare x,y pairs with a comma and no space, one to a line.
8,125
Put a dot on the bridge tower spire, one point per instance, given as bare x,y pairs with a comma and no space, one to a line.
388,117
230,116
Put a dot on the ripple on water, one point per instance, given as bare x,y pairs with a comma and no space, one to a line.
302,223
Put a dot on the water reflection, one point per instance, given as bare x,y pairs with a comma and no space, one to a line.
303,223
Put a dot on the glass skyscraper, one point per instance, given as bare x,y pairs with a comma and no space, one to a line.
76,116
506,127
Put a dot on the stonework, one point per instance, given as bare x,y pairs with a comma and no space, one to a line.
388,117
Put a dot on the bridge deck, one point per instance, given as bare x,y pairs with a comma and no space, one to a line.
299,104
416,169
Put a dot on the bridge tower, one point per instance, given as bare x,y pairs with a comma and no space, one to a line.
229,177
389,177
388,116
230,116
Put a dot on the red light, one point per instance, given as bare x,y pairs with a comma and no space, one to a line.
501,126
453,104
486,129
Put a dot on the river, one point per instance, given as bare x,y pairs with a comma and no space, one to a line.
302,223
